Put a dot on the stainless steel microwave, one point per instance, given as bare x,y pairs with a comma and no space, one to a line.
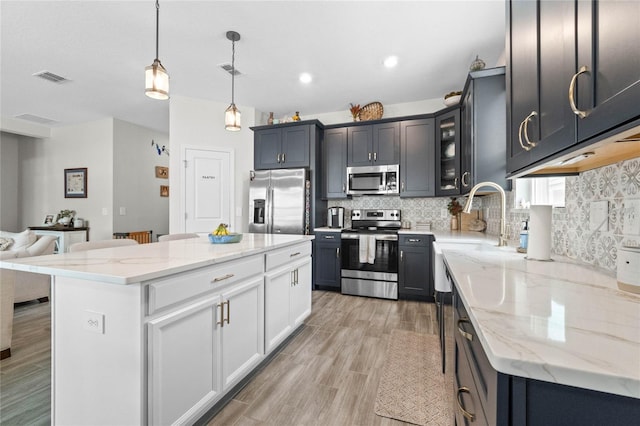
371,180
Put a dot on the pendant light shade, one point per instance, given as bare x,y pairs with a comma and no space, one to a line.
156,78
232,114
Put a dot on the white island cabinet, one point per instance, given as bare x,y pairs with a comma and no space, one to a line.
158,333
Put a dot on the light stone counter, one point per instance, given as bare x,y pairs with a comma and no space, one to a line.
131,264
556,321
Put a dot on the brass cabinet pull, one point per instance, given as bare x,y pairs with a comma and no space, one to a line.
222,278
464,334
526,148
469,416
465,175
572,99
525,130
294,254
228,302
338,252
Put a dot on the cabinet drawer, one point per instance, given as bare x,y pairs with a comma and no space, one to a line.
287,255
485,377
173,290
467,403
328,237
420,240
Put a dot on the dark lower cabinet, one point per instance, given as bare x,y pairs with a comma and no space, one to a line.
415,277
326,261
483,396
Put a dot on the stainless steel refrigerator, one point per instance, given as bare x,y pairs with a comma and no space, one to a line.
279,201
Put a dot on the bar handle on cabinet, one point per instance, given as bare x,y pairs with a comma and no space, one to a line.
402,186
292,279
297,282
338,252
469,416
344,187
401,255
369,156
294,254
222,278
414,240
464,334
221,322
329,237
572,99
283,158
375,156
526,148
278,158
455,182
228,303
525,130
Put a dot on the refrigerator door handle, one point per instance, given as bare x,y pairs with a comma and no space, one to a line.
270,213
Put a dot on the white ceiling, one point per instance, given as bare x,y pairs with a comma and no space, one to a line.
104,46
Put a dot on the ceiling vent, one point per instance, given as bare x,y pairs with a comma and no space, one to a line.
49,76
228,68
35,119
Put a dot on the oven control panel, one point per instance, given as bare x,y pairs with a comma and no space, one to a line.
376,214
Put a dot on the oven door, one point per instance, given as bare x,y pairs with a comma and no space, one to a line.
379,260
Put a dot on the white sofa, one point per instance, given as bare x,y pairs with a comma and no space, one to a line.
18,287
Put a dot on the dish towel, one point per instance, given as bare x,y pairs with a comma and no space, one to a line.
363,247
371,252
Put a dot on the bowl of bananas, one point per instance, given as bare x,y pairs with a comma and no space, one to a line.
221,235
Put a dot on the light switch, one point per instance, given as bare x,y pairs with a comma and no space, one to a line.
599,215
105,211
631,217
123,211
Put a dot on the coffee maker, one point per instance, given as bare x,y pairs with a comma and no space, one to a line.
335,217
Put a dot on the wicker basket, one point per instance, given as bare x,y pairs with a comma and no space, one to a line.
372,111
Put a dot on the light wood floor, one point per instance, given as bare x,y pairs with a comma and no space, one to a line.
327,375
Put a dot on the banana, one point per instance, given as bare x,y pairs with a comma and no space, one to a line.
221,230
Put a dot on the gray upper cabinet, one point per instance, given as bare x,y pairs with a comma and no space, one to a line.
371,145
417,175
334,163
484,130
541,62
282,147
608,87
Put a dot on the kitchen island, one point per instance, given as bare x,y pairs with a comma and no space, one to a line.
159,333
542,342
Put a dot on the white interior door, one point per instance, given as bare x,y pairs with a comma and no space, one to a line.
209,188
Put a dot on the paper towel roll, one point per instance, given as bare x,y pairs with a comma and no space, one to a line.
539,246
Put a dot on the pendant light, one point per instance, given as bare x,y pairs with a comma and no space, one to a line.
155,76
232,114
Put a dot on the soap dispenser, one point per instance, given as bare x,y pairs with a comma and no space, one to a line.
524,236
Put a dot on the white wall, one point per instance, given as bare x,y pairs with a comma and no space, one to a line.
135,187
9,181
197,123
42,164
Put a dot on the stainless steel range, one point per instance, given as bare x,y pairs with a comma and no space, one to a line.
369,254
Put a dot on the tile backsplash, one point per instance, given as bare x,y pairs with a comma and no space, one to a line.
572,236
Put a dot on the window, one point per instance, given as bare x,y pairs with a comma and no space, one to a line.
547,190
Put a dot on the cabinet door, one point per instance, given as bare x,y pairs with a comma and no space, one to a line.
414,268
295,147
416,161
267,149
277,326
183,356
386,144
608,38
448,154
242,334
301,293
334,160
326,260
541,63
360,146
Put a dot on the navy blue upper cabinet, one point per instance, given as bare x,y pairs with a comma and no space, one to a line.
283,147
373,145
573,76
417,175
334,163
608,69
540,64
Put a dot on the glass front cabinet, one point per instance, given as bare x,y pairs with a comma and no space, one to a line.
448,153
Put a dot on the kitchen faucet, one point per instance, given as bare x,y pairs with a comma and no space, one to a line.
502,239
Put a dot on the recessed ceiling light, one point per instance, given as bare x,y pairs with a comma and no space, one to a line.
391,61
305,78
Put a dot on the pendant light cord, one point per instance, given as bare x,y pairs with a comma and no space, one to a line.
233,69
157,27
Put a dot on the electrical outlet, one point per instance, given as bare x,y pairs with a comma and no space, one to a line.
105,211
599,215
123,211
444,213
93,321
631,217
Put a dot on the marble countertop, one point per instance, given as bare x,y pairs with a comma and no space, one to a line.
556,321
132,264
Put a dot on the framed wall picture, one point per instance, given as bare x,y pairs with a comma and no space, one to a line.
162,172
75,183
164,190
